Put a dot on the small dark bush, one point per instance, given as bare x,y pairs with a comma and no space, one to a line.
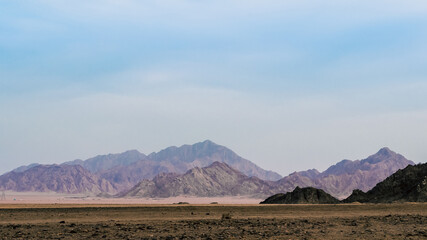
226,216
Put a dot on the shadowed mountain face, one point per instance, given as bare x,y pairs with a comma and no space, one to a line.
340,179
218,179
61,179
406,185
306,195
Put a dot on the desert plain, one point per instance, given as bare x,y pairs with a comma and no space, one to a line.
77,217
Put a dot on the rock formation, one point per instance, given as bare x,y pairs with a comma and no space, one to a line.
406,185
307,195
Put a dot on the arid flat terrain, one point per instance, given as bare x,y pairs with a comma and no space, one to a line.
213,221
20,198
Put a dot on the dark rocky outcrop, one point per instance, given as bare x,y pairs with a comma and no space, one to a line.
406,185
357,196
307,195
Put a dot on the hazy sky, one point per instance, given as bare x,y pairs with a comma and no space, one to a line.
289,85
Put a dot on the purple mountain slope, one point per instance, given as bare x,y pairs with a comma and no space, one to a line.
342,178
55,178
179,160
218,179
202,169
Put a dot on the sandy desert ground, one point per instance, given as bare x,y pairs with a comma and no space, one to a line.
56,198
212,221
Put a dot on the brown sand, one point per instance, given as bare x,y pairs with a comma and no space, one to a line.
213,221
56,198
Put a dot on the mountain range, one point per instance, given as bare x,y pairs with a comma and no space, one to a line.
342,178
405,185
127,169
408,185
218,179
55,178
202,169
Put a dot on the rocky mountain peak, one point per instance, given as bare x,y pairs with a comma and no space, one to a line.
206,143
217,164
218,179
203,154
385,154
385,151
188,153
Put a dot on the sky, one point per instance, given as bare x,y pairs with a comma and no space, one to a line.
290,85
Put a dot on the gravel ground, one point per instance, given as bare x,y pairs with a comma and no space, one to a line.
216,222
